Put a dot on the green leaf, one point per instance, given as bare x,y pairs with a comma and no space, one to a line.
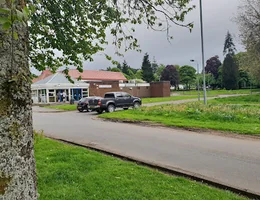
26,12
108,57
15,35
3,20
6,26
5,10
20,15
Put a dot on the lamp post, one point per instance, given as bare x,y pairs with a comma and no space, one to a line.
198,80
202,53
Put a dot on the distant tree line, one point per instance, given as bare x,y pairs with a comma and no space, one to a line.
151,71
236,71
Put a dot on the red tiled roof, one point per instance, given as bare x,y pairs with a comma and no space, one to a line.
88,75
97,75
43,75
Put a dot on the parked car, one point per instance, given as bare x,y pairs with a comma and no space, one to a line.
113,100
83,103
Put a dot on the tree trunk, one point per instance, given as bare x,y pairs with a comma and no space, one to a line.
17,164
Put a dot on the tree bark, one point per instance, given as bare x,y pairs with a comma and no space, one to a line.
17,163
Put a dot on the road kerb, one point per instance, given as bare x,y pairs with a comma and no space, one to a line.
169,170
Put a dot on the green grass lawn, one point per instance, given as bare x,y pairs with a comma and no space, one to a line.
212,93
239,118
242,100
66,173
66,107
164,99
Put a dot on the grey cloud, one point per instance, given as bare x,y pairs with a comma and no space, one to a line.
217,16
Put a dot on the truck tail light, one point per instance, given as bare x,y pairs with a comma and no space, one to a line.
99,102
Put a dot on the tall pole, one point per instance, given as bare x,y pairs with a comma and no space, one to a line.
198,81
202,52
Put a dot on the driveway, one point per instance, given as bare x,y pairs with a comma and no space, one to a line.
229,160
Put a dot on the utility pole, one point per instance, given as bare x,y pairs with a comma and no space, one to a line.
202,53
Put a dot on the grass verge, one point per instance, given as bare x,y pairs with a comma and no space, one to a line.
244,119
165,99
66,107
66,172
212,93
241,100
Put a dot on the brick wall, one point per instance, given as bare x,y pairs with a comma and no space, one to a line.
156,89
138,91
160,89
97,88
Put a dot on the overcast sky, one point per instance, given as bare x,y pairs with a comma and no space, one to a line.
217,18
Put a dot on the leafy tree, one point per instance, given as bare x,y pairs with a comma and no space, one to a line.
230,73
177,67
33,76
242,60
243,79
219,81
248,20
131,74
125,67
139,74
147,69
230,67
212,67
115,69
171,74
119,66
77,31
127,76
154,66
159,72
108,69
229,46
187,75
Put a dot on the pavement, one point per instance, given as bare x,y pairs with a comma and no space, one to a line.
231,160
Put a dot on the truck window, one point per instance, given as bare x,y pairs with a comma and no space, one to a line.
109,96
119,95
126,95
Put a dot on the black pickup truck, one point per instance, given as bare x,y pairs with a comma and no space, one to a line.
113,100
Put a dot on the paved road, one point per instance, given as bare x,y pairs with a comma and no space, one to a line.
232,161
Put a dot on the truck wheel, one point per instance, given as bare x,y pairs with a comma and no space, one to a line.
100,111
136,105
110,108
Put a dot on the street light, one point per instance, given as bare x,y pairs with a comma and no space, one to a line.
198,80
202,53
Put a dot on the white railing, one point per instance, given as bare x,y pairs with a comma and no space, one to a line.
134,85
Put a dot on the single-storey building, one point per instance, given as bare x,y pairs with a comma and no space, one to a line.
51,88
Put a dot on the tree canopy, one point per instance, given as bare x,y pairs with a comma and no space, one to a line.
68,32
147,69
229,46
187,75
170,73
230,68
213,65
230,73
248,20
